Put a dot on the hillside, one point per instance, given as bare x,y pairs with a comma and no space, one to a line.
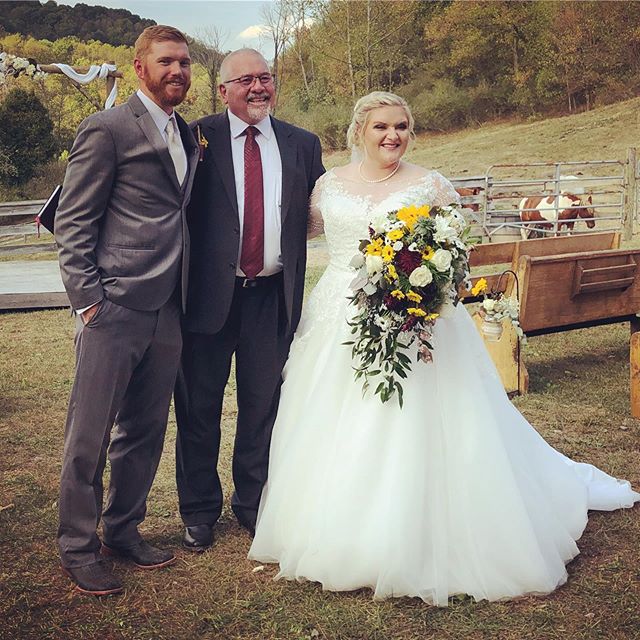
601,134
51,21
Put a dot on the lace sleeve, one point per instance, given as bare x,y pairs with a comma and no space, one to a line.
315,223
444,192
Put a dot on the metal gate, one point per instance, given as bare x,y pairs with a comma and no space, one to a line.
604,190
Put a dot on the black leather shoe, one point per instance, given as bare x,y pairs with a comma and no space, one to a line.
249,526
94,579
143,555
198,537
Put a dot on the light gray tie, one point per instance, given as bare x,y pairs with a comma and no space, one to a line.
176,150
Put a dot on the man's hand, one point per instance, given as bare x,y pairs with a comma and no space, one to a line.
87,314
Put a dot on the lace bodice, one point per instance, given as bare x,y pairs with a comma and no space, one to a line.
344,208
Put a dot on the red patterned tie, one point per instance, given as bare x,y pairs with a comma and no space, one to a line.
252,255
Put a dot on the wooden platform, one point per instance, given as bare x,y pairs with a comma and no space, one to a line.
37,284
31,285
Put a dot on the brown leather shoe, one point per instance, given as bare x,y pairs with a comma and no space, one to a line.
94,579
143,555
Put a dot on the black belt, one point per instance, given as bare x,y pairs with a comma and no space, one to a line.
252,283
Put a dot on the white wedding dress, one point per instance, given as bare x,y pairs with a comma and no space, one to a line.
455,493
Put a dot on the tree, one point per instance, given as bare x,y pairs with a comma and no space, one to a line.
26,137
279,17
206,50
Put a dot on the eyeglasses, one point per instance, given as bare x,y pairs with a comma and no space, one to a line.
248,80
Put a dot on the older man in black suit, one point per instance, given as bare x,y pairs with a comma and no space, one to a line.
248,224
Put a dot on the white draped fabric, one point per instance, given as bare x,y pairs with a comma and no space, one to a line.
453,494
95,71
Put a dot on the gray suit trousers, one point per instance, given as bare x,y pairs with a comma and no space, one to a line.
126,365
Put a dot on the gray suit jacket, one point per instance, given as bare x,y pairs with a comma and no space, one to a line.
121,225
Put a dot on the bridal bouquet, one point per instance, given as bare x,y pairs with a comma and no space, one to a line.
408,274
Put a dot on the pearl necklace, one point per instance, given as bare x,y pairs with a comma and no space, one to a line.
393,173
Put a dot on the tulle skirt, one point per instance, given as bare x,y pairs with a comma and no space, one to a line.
455,493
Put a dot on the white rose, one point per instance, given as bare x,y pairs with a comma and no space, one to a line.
420,277
374,264
489,304
442,259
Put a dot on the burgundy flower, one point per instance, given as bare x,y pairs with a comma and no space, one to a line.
409,323
392,303
408,260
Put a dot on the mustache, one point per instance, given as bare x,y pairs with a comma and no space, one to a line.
262,94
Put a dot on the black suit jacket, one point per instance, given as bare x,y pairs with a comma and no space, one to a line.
214,224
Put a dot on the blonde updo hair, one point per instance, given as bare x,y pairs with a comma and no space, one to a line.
368,103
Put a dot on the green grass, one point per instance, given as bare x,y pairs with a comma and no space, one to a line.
579,401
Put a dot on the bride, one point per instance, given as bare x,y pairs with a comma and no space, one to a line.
455,493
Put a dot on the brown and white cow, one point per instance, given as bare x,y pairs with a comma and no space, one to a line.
468,192
541,213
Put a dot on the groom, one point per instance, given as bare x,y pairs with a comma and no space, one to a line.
123,249
248,224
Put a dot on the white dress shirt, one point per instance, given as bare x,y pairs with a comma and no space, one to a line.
271,184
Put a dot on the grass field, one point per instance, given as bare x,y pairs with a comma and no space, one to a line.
578,400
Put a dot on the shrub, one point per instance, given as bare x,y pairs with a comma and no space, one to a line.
328,121
442,107
26,135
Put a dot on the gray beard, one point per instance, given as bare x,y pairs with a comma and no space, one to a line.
258,112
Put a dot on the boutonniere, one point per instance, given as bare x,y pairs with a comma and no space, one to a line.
203,143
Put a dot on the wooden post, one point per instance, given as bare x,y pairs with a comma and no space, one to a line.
51,68
630,195
634,362
111,78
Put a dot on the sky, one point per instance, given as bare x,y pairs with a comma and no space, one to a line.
239,20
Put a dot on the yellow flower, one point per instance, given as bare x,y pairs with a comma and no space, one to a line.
417,312
414,297
428,253
374,248
388,253
392,274
479,287
408,215
396,293
432,316
394,235
423,211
